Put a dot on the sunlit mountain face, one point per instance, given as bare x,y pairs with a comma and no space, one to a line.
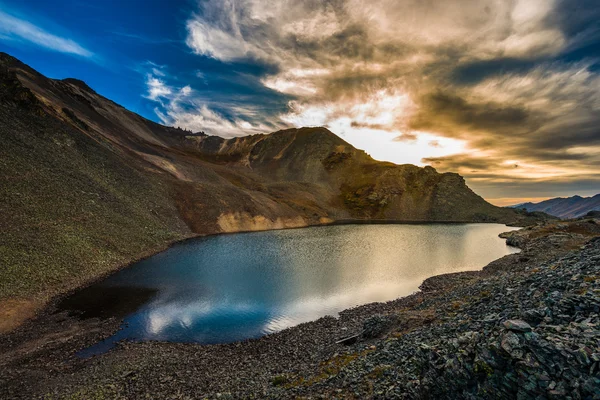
506,93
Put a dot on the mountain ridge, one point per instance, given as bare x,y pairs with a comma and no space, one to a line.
564,207
91,186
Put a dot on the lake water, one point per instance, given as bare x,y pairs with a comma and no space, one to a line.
227,288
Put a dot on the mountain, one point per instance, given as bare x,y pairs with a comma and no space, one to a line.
88,186
564,207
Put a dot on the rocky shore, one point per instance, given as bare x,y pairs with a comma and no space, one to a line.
524,327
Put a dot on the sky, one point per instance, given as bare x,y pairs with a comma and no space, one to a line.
504,92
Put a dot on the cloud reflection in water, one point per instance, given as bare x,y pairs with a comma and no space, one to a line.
234,287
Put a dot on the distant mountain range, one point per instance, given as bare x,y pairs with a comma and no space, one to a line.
564,207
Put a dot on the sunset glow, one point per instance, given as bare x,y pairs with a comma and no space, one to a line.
506,93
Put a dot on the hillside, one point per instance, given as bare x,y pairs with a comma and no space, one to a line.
569,207
88,186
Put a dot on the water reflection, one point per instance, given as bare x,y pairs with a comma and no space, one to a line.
233,287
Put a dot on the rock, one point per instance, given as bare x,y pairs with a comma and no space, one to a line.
376,326
517,325
491,317
557,394
583,355
349,340
511,343
534,316
468,337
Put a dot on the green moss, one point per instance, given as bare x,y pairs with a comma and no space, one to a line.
279,380
329,368
91,393
481,367
378,371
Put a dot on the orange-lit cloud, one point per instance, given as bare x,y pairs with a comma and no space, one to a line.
486,88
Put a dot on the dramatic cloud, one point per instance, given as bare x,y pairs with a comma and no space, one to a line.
184,107
506,92
18,29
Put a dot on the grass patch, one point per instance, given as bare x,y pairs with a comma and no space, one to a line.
279,380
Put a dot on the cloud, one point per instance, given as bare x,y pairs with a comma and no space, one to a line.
184,107
157,88
469,85
545,120
14,28
406,137
454,115
201,118
157,72
496,175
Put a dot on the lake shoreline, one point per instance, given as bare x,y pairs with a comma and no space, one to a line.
15,311
264,282
284,356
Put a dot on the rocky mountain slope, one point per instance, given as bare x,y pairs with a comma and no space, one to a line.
526,327
88,186
569,207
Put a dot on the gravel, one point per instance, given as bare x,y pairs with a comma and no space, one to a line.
524,327
530,335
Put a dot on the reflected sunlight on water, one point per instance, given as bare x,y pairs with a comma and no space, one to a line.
225,288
